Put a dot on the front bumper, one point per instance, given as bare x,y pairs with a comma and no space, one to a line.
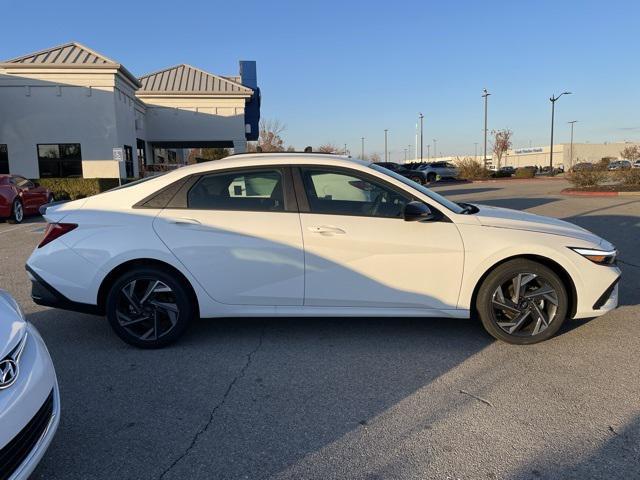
29,411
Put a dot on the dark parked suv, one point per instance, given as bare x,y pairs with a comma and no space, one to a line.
417,176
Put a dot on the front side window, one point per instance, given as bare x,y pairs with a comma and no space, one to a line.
259,191
22,182
342,193
60,160
454,207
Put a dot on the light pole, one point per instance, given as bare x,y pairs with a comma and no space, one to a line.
405,155
345,149
553,101
421,132
485,95
362,152
475,155
572,122
386,154
435,149
428,152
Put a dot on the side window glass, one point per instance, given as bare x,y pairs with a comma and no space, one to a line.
245,190
341,193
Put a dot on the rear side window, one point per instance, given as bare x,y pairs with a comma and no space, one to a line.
259,190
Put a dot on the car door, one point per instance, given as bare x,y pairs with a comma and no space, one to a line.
28,193
360,252
238,233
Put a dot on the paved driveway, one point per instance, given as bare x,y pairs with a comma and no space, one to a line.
353,398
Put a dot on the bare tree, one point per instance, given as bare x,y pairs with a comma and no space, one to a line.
270,139
329,148
197,155
631,152
501,143
374,157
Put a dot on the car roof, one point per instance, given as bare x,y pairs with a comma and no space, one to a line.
275,158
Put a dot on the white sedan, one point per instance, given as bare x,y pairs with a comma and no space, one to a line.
29,399
312,235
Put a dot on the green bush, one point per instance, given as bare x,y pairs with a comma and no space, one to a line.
588,177
75,188
628,177
525,172
470,169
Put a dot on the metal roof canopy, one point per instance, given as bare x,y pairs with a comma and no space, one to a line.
188,80
68,55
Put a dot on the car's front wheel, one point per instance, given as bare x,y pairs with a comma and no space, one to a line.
149,307
17,212
522,302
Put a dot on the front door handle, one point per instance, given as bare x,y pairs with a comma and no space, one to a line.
326,230
183,221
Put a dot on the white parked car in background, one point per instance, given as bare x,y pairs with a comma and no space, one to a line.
312,235
29,399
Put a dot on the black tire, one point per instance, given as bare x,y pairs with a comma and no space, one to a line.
148,311
520,319
17,212
417,179
431,177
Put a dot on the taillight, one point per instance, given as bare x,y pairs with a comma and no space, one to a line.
55,230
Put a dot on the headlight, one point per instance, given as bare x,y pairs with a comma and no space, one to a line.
601,257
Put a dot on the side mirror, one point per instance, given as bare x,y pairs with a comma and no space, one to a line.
418,212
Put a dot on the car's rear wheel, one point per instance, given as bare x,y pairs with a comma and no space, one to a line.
522,302
149,308
417,179
17,212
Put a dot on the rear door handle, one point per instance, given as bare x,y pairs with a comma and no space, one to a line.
326,230
183,221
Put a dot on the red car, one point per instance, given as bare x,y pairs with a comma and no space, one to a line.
20,196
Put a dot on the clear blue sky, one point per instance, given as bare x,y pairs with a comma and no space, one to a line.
334,71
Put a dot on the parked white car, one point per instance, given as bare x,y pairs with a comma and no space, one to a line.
433,170
29,398
312,235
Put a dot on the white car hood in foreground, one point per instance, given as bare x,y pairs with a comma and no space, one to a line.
12,324
517,220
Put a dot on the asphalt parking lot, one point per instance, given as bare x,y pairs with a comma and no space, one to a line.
353,398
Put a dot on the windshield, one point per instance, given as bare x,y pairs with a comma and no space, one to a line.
454,207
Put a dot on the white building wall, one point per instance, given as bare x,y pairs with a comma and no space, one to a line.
40,111
194,119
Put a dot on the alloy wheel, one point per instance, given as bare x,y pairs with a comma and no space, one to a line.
525,305
147,308
18,212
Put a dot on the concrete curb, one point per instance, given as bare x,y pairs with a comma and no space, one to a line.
580,193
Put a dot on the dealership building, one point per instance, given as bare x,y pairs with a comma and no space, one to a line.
69,111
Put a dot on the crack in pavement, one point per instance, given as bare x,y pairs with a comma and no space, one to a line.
628,264
217,406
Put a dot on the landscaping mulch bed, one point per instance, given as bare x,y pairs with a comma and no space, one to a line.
607,188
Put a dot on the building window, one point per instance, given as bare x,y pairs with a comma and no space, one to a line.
60,160
4,158
128,160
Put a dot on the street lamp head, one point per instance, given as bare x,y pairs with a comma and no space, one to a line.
566,93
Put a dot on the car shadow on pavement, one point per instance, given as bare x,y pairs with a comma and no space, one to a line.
236,396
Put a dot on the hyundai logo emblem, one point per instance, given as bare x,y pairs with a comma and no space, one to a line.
8,373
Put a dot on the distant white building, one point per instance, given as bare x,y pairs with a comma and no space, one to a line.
70,111
563,154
